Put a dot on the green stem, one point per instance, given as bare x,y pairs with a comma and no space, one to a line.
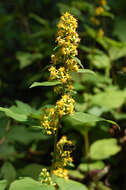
107,72
54,151
86,140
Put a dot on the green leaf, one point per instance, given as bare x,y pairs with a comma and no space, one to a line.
16,116
29,184
8,172
90,31
76,174
104,148
31,170
84,167
108,14
69,185
3,184
3,124
85,117
101,186
117,52
96,79
21,108
100,60
113,98
120,28
86,71
6,151
78,61
80,119
40,20
26,59
24,135
47,83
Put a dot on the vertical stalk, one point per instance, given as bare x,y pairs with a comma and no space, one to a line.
107,71
86,140
54,151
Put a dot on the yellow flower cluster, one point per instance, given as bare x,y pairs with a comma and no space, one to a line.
45,177
63,157
67,42
99,10
65,105
67,37
61,172
49,120
103,2
63,61
59,74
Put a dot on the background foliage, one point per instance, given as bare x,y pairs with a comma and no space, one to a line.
27,39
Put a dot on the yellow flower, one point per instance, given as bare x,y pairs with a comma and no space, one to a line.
53,72
61,69
99,11
95,21
63,80
66,105
49,121
63,157
70,87
61,113
103,2
57,89
100,33
60,172
45,177
60,103
49,132
52,110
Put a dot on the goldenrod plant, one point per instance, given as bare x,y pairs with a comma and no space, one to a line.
63,62
64,137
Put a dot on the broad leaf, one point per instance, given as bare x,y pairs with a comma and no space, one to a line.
113,98
8,172
3,184
100,60
31,170
21,108
80,120
6,151
16,116
84,167
117,52
24,135
26,59
29,184
76,174
120,28
104,148
69,185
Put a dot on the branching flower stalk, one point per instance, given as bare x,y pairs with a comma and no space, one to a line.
63,61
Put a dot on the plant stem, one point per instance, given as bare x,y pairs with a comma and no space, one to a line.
54,151
86,140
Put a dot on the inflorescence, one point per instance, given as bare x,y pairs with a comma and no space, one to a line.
63,157
64,61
